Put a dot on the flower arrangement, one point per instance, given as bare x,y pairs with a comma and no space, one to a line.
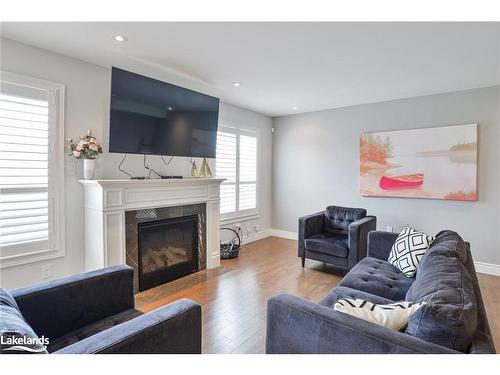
87,147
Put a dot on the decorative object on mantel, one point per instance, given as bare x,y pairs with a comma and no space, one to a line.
194,169
432,163
205,170
88,149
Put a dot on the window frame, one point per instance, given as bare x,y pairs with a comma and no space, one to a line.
242,129
31,252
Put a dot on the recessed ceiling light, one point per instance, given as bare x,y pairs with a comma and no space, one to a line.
294,107
236,84
170,109
120,38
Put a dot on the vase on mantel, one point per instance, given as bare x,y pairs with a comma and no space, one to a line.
88,169
87,148
205,170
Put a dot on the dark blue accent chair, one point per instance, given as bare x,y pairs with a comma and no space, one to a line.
336,236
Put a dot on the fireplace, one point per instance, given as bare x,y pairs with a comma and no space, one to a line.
168,250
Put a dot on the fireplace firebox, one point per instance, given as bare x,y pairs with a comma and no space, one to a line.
168,250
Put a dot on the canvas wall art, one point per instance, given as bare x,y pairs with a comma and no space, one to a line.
434,163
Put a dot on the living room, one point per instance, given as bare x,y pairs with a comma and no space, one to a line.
250,187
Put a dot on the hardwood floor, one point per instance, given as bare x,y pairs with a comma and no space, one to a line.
234,297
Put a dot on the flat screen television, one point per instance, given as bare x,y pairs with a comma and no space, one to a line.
157,118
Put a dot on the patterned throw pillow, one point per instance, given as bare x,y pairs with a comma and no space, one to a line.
394,316
408,249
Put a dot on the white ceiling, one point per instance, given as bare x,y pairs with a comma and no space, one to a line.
312,66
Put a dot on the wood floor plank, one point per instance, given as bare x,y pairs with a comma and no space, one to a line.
234,296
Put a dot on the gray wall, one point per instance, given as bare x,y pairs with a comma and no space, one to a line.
316,163
87,106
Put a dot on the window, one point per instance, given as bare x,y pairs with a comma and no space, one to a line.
31,170
236,161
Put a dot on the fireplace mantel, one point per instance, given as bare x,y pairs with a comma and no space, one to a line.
106,201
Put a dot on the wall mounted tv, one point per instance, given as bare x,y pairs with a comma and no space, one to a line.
157,118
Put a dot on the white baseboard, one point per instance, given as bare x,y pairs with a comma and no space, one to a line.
256,236
487,268
481,267
269,233
284,234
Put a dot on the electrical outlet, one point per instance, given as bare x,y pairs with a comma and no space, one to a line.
237,226
389,229
46,271
255,228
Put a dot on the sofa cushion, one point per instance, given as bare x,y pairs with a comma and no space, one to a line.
450,316
13,328
328,243
337,219
378,277
344,292
92,329
336,262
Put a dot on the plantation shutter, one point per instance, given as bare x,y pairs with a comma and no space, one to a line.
248,171
236,161
225,167
24,172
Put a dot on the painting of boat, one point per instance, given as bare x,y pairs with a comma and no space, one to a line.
401,182
393,163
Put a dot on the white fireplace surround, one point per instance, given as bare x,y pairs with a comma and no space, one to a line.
106,202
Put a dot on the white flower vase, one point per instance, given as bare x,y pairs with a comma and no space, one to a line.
88,169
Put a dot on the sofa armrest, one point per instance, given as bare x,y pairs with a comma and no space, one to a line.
358,237
380,244
171,329
58,307
297,326
309,225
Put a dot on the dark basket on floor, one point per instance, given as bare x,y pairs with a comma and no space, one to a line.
230,249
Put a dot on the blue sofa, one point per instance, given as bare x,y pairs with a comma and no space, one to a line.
94,313
453,320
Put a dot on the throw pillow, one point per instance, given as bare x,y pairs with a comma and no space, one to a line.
409,247
394,316
16,335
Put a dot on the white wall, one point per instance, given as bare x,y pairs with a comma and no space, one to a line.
87,106
316,163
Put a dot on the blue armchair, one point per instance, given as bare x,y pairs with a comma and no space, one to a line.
94,313
337,236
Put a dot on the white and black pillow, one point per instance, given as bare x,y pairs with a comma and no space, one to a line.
394,316
409,247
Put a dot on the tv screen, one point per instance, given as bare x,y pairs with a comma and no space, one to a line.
154,117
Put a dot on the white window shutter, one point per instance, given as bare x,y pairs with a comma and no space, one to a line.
248,172
24,174
236,161
225,167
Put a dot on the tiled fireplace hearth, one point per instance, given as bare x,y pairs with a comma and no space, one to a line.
179,220
163,244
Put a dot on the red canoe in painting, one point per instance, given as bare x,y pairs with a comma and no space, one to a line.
401,182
